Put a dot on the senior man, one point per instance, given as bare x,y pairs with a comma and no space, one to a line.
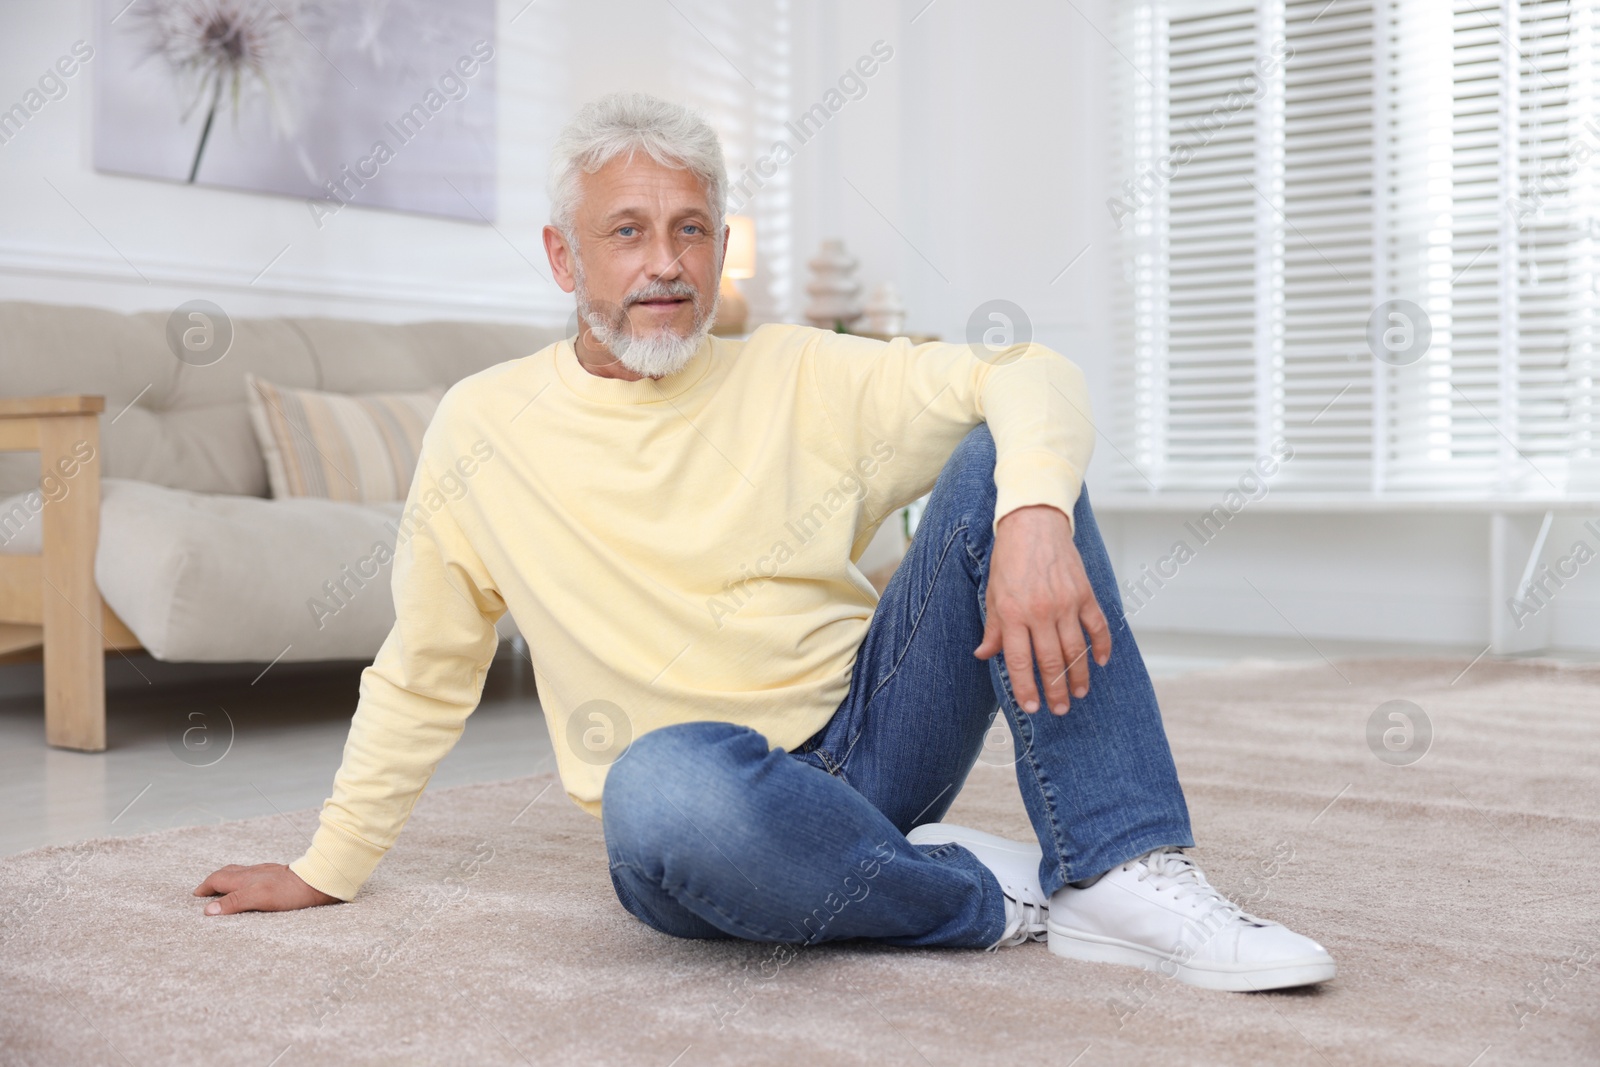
673,520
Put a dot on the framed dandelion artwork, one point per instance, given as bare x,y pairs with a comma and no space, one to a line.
364,103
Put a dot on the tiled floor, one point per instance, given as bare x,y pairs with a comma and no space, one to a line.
273,742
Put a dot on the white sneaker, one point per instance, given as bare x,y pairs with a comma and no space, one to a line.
1014,865
1159,912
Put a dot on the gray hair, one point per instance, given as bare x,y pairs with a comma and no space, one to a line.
624,123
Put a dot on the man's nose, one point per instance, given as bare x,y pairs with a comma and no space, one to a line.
665,259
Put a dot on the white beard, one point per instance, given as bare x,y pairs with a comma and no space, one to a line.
658,355
662,354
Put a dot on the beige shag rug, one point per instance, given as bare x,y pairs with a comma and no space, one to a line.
1458,894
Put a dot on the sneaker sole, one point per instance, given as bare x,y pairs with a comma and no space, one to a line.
1077,945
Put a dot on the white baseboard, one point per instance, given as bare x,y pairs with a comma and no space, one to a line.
1202,608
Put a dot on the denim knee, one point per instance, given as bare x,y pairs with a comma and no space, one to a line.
976,449
973,461
674,779
965,493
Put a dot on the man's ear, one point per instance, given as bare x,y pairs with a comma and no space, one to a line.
559,253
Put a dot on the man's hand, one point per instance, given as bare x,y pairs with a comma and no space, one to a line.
1039,605
263,887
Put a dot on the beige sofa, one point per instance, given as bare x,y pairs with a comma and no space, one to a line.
144,521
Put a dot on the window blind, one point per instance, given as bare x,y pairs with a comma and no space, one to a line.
1366,228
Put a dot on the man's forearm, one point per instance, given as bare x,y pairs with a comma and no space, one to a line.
1036,403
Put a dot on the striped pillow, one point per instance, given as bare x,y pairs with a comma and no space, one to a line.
338,447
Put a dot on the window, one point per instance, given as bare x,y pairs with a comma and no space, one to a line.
1366,228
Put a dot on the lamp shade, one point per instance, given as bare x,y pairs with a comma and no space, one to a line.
741,258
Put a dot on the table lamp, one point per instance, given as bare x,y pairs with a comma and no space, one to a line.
740,262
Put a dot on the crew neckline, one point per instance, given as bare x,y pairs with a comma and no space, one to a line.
642,391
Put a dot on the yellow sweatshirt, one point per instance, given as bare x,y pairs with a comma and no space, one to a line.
674,550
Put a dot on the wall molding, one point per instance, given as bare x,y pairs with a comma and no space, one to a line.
428,298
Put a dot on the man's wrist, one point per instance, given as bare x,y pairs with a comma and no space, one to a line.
337,863
1034,511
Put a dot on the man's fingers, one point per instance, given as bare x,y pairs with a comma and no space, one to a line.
223,880
991,637
1094,621
1047,645
1019,664
245,899
1071,638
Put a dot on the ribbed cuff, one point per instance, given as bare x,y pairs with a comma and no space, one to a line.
337,863
1037,476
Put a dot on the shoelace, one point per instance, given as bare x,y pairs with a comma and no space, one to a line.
1024,922
1173,870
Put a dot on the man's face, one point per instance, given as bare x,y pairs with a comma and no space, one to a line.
646,265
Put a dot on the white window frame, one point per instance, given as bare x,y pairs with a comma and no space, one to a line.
1433,427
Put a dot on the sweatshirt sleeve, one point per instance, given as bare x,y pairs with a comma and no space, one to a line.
922,399
414,698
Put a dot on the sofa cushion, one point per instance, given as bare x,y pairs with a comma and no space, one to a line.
203,577
362,448
376,357
165,421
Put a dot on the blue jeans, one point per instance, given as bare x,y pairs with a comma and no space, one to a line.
711,834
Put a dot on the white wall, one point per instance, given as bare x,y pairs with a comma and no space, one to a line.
71,235
968,171
1413,579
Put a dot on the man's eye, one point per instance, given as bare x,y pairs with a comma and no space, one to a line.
627,231
692,229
